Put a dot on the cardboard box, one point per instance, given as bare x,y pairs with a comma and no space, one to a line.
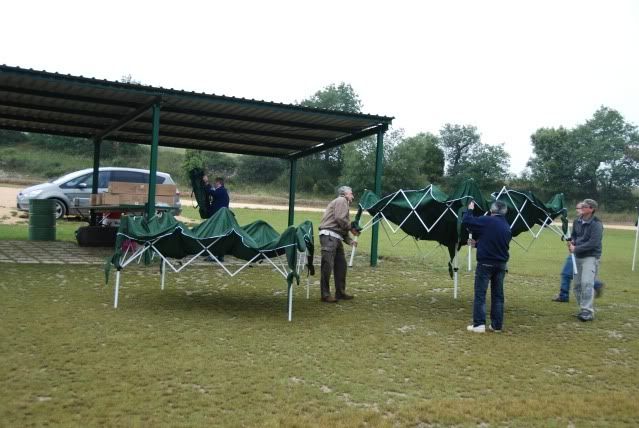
165,189
168,200
132,199
96,199
120,187
110,199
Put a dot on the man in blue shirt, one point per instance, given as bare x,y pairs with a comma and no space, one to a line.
219,194
493,236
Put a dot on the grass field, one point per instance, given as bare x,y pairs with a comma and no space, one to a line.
211,350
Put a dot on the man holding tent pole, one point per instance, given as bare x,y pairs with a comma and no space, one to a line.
333,229
493,236
585,244
568,271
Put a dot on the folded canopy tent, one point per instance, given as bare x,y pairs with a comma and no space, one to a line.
99,110
163,236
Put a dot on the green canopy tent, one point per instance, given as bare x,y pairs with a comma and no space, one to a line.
220,235
432,215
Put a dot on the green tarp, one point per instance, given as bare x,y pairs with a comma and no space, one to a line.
431,214
174,239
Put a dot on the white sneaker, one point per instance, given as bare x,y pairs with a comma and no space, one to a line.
490,328
478,329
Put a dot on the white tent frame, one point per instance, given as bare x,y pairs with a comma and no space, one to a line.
379,216
150,247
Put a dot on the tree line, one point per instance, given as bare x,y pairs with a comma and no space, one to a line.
597,159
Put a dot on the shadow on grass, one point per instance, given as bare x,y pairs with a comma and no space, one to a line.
216,302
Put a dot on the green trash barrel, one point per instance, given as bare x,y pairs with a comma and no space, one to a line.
41,220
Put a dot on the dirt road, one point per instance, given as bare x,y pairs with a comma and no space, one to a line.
10,215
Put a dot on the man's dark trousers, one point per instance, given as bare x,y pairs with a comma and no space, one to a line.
333,261
485,273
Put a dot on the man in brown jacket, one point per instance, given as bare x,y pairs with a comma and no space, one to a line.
333,229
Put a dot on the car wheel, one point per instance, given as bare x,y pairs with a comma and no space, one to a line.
60,209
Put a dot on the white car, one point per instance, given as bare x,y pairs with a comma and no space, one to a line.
72,192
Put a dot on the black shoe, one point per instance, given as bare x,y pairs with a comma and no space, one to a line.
599,291
328,299
345,297
559,299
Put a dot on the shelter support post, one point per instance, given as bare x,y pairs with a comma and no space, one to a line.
291,192
379,164
96,175
153,163
634,254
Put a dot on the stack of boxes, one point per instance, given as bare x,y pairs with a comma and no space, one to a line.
122,193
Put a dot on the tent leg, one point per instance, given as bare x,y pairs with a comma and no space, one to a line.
290,302
634,254
455,273
308,287
163,271
350,262
470,252
117,289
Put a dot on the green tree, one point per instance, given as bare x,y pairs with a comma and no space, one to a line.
597,159
414,162
554,160
608,167
214,163
458,142
322,170
258,169
359,162
12,137
488,165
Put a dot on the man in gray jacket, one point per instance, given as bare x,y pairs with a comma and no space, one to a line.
585,244
333,229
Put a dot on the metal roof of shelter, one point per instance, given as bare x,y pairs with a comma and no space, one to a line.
76,106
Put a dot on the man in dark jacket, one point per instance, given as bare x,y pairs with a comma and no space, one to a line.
493,236
218,193
585,244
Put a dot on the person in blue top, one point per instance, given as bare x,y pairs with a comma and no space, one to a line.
218,193
220,199
492,234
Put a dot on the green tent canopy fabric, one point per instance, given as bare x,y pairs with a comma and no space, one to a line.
221,234
199,191
426,214
431,214
525,210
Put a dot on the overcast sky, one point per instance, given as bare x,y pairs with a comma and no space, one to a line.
506,67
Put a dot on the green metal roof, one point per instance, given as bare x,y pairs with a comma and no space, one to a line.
52,103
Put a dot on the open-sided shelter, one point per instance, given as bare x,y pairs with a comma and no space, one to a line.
99,110
102,110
